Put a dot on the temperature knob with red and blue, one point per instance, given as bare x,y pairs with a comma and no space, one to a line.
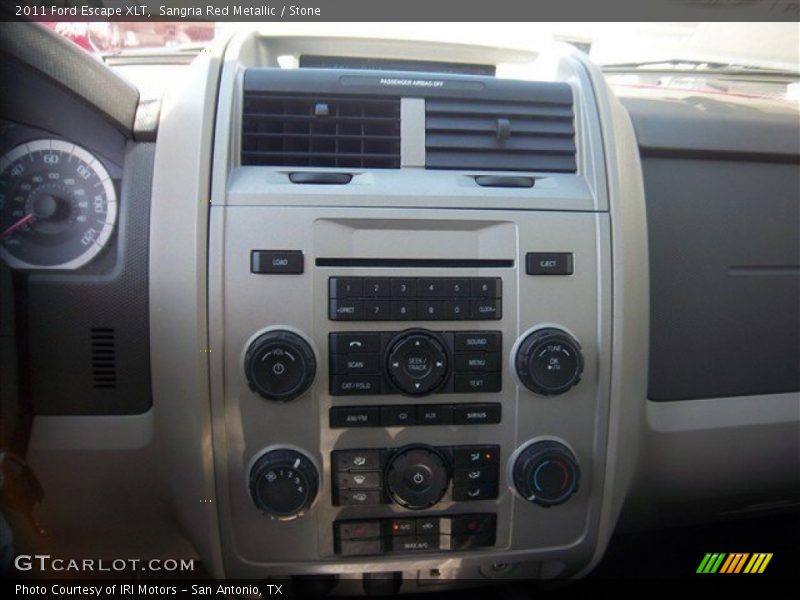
546,473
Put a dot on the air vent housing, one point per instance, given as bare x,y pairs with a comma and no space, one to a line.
320,131
104,358
536,134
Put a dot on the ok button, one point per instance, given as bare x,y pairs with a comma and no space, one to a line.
418,478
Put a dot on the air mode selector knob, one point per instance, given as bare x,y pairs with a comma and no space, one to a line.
546,473
280,365
549,361
283,483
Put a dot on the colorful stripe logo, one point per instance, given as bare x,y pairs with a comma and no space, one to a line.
736,562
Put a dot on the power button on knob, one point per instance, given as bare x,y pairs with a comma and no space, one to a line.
417,476
280,365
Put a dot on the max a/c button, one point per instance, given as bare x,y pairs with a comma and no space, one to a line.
548,263
276,262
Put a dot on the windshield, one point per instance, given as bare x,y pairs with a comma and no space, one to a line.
767,45
736,59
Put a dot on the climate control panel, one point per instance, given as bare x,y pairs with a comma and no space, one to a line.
415,477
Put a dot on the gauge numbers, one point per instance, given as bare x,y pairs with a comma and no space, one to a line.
58,206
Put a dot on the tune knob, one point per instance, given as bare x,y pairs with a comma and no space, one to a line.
546,473
280,365
549,361
416,362
283,483
417,476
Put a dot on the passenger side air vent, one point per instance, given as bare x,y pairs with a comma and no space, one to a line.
499,135
314,131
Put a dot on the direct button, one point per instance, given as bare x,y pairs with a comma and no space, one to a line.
345,310
276,262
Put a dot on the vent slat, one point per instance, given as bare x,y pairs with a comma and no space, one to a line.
320,131
532,135
498,109
552,127
471,143
323,136
500,162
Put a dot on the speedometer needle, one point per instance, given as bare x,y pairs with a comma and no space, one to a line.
21,223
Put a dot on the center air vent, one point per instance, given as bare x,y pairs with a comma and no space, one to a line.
498,135
315,131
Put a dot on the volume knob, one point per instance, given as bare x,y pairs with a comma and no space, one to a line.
280,365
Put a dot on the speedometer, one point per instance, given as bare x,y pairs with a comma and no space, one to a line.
58,206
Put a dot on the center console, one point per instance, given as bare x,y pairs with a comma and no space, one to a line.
415,302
